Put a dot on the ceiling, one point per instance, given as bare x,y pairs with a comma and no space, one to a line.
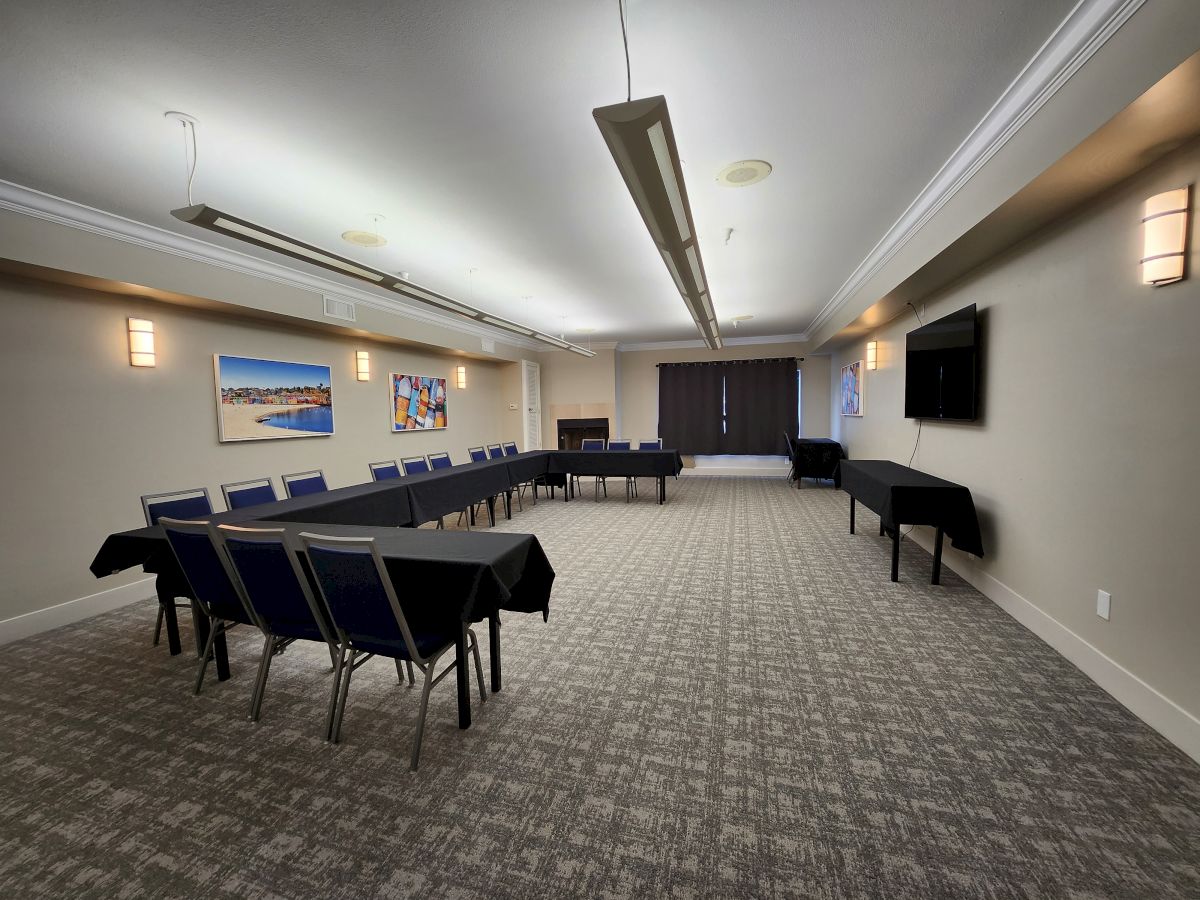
468,126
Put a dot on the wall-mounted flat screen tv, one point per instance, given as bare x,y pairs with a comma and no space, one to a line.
941,374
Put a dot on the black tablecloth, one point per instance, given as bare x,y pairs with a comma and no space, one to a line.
904,496
817,458
432,495
616,463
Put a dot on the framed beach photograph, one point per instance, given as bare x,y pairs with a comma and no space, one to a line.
852,389
262,399
418,402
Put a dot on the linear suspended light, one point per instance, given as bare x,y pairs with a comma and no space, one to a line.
232,226
640,138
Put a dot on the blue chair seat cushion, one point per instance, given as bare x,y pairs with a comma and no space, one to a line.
428,643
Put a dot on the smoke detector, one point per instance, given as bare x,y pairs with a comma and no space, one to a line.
744,172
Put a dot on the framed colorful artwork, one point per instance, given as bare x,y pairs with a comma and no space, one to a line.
261,399
418,402
852,389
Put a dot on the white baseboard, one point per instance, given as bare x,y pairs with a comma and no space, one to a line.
737,471
40,620
1158,711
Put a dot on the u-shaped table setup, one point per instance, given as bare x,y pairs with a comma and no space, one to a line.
470,575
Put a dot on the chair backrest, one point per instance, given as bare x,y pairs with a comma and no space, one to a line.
273,585
478,454
240,494
495,451
440,461
414,464
357,590
655,444
592,444
791,444
302,483
207,571
189,504
619,444
382,471
510,449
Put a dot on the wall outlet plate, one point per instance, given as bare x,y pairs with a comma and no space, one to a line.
1103,604
513,407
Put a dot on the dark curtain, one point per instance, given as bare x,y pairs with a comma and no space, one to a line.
689,408
760,406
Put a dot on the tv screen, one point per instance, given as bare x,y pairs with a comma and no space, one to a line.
941,376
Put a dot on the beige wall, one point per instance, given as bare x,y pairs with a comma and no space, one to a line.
1082,465
638,384
87,433
571,380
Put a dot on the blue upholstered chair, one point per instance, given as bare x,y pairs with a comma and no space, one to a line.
414,465
211,579
624,444
382,471
275,589
369,621
510,448
241,494
302,483
440,461
655,444
477,454
620,444
593,444
190,504
495,451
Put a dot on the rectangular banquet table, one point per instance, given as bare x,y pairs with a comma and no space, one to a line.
439,575
901,495
656,464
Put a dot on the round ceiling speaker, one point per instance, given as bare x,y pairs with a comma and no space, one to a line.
744,172
364,238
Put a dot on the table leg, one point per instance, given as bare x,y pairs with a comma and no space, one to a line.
221,656
852,514
896,552
508,504
494,646
491,505
937,558
881,531
662,489
472,516
463,672
200,627
166,601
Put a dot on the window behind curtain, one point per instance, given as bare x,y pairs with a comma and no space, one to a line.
689,407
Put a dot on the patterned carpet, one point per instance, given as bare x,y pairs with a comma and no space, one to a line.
730,700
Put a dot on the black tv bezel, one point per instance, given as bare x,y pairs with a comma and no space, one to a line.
975,404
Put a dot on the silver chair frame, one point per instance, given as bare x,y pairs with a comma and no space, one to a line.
146,504
408,459
300,476
232,487
382,463
345,666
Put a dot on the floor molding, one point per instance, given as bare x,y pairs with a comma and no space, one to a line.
1158,711
72,611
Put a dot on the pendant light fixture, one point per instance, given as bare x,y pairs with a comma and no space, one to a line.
642,142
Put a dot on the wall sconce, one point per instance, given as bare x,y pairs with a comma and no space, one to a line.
362,364
1164,228
460,377
872,355
141,342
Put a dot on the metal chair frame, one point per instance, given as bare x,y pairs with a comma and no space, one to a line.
147,502
301,476
345,667
414,459
227,490
383,464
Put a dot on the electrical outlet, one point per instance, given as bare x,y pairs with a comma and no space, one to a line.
512,406
1103,604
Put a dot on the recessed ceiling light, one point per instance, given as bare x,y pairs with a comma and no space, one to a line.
744,172
364,238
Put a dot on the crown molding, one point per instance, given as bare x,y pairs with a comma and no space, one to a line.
696,344
1078,37
36,204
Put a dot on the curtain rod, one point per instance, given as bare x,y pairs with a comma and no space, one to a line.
730,362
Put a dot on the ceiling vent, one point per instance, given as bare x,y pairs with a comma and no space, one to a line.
339,309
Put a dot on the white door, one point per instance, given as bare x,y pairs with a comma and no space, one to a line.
531,403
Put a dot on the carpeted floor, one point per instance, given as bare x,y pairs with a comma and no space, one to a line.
730,699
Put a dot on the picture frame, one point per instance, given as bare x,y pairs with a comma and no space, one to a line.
418,402
852,388
266,399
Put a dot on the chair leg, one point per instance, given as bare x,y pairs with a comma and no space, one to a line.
159,623
215,626
348,669
338,664
478,665
260,682
399,671
430,665
411,680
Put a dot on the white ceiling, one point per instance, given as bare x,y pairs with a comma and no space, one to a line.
468,125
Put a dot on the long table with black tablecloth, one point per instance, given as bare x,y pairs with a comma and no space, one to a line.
656,464
467,576
900,495
816,458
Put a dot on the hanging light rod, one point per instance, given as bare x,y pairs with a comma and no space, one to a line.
640,138
232,226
